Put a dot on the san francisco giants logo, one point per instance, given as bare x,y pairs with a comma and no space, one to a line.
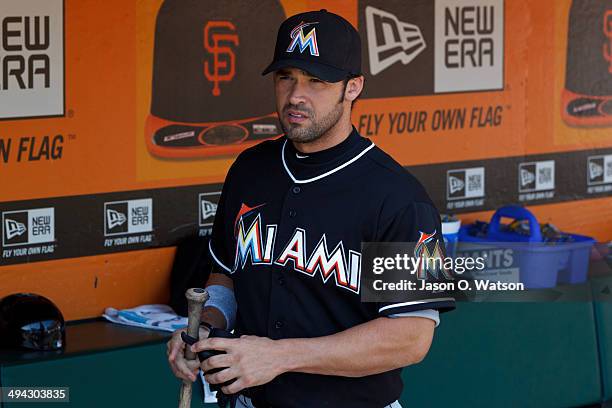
607,48
223,70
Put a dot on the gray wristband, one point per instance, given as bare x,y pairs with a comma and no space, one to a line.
223,299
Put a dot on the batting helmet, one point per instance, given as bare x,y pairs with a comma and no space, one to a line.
31,321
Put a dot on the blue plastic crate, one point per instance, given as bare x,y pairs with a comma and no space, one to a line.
540,264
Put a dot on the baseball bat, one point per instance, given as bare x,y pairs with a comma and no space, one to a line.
196,297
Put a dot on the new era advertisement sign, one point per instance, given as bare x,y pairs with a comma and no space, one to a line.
537,176
31,58
208,208
28,227
428,47
599,170
469,45
465,183
128,217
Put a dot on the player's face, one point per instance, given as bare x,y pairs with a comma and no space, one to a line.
307,106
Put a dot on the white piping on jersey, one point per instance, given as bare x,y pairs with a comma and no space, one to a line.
217,259
416,302
326,173
431,314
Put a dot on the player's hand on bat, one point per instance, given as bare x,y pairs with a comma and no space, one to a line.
251,360
181,367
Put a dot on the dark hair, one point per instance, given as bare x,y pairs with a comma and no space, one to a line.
344,85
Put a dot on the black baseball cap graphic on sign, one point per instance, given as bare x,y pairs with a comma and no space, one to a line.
208,98
587,97
319,42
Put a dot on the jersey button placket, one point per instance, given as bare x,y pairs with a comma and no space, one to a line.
279,295
294,191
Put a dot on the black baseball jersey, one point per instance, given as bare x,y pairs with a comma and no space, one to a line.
288,231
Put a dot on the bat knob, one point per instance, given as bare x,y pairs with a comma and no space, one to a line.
197,295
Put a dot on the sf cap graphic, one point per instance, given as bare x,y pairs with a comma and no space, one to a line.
207,95
587,97
319,42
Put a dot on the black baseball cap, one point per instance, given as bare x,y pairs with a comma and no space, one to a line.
319,42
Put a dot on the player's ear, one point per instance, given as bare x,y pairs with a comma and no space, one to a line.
354,88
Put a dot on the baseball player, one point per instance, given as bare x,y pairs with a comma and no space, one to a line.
287,239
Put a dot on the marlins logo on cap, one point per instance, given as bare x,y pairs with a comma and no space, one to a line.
304,41
329,46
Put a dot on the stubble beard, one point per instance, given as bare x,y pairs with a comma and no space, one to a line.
305,134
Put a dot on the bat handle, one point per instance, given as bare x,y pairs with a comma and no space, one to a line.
196,297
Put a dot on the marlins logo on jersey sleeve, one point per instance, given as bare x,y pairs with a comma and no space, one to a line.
418,223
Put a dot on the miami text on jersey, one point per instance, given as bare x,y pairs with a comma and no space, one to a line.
250,244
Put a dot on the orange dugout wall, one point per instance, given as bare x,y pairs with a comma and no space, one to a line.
119,120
